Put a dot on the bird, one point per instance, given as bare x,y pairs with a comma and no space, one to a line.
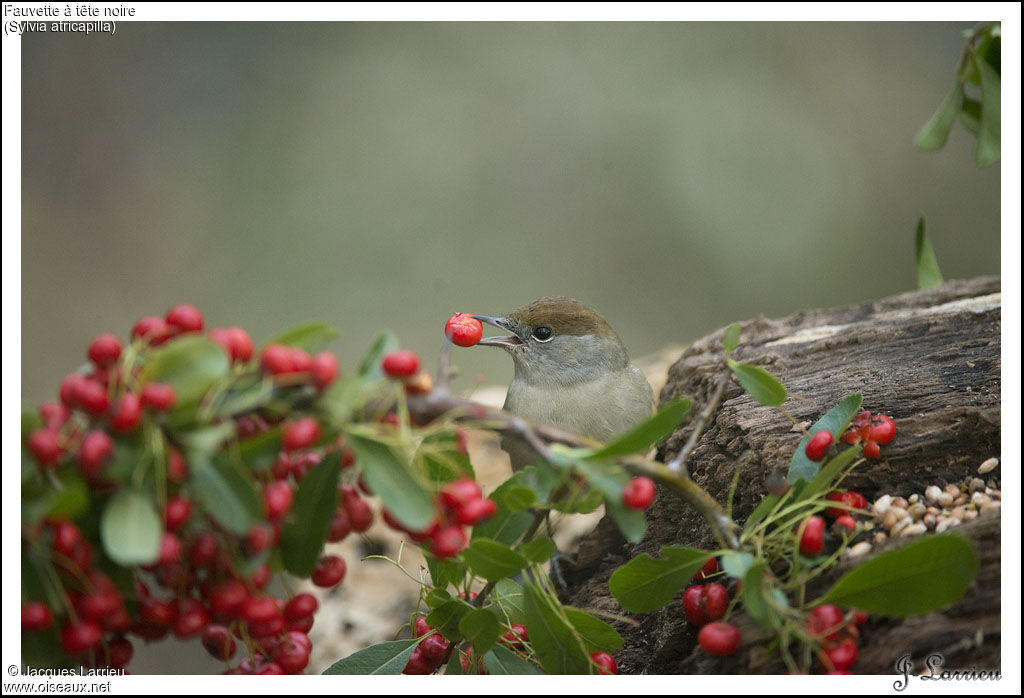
572,371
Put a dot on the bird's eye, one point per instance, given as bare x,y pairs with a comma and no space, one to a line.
543,333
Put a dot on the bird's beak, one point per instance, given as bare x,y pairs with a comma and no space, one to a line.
501,323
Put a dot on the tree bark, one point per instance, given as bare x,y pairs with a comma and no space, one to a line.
930,360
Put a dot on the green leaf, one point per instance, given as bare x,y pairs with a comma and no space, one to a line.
130,529
191,365
481,629
753,597
731,337
492,560
829,472
924,576
559,648
835,421
260,451
446,618
765,388
512,497
646,434
988,148
928,274
508,596
445,572
609,479
225,493
736,564
597,635
369,367
384,658
970,115
539,549
305,531
503,661
644,584
934,134
761,511
518,498
388,476
313,337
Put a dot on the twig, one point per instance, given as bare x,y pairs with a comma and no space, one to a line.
678,464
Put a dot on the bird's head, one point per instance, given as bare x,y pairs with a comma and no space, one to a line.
557,341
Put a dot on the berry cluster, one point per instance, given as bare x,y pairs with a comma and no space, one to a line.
115,429
873,431
460,503
837,634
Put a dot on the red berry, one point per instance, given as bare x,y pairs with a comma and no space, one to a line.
69,389
638,493
235,341
693,606
119,652
848,498
80,637
105,350
324,369
292,652
160,613
227,599
824,622
841,656
515,637
871,450
471,513
360,515
176,513
260,609
709,568
401,363
260,577
329,571
605,663
91,396
812,538
170,549
448,542
816,447
456,494
881,429
434,647
54,415
35,615
127,413
44,445
716,600
151,329
159,396
185,318
300,434
463,329
259,538
277,499
847,522
419,664
218,642
421,626
190,619
719,638
177,470
340,526
276,359
96,449
300,606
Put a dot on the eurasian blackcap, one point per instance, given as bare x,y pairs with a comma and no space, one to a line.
571,371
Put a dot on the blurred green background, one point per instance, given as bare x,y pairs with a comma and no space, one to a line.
676,176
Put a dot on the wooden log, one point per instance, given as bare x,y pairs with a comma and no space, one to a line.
929,359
